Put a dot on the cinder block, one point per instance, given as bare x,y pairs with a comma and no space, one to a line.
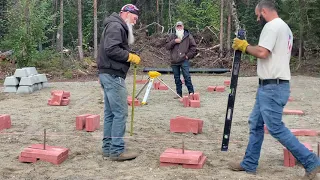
31,70
162,87
211,88
21,73
288,155
196,166
11,81
91,122
24,90
286,159
27,159
220,88
10,89
39,86
196,96
27,81
81,121
227,82
5,121
163,164
42,77
292,112
45,84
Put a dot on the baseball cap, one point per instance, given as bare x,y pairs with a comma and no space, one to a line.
130,8
179,23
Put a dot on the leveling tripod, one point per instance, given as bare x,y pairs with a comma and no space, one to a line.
152,76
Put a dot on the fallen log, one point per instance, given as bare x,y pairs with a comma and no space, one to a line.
191,70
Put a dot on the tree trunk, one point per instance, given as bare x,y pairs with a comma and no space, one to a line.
158,19
301,29
60,33
54,22
95,24
169,11
229,28
27,16
80,30
221,28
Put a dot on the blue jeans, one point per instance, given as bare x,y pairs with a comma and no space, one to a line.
186,75
115,113
270,101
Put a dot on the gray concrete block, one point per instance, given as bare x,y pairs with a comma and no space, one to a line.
11,81
21,73
34,87
42,77
31,70
27,81
10,89
39,86
45,85
24,90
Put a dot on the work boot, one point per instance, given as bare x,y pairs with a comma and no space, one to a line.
311,175
235,166
124,156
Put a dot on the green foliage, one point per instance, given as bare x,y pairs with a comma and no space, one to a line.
27,26
193,16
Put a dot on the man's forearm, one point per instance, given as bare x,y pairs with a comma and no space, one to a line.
256,52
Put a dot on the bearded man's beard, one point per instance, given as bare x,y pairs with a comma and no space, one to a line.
130,32
180,33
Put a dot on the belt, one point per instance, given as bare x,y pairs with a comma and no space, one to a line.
272,81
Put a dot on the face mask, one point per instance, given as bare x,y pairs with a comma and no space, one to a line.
262,21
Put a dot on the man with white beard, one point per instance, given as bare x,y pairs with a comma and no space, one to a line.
114,60
182,47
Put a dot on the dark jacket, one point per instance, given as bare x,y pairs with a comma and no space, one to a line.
179,51
114,49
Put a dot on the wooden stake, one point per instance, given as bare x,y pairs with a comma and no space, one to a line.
44,139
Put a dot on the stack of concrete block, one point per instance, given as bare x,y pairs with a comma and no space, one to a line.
25,81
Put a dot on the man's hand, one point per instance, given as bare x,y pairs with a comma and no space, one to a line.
177,40
134,58
240,45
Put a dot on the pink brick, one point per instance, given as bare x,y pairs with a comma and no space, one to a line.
290,99
211,88
163,87
286,160
65,101
163,164
136,101
188,157
156,85
292,112
292,160
182,81
265,129
56,98
184,125
91,122
186,101
196,166
195,103
5,121
66,94
196,96
220,88
141,81
81,121
304,132
227,82
27,159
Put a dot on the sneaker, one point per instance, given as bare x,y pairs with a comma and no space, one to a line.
124,156
311,175
235,166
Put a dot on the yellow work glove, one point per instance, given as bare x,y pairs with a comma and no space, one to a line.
240,45
134,58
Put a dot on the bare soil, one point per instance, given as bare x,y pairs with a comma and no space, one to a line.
30,115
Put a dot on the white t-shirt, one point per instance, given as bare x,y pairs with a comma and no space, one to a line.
277,37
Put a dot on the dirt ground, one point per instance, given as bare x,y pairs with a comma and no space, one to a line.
30,114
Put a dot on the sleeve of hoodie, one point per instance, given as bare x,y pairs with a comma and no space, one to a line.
112,43
192,48
170,42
